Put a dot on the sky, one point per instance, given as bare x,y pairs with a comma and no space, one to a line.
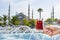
18,6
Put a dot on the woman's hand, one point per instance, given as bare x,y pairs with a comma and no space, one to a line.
51,31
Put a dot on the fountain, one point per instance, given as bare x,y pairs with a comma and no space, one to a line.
7,22
24,33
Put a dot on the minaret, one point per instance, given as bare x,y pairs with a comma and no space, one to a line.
52,13
28,11
32,14
9,13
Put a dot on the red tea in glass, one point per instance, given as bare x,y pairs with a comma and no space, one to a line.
39,25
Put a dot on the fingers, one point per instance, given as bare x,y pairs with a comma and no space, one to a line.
54,28
47,31
56,32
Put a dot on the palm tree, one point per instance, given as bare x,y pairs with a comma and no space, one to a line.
4,18
40,10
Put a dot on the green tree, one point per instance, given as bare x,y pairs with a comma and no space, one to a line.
26,22
15,20
4,18
40,10
50,20
0,19
55,20
1,22
32,22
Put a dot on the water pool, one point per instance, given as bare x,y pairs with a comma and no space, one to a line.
27,36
